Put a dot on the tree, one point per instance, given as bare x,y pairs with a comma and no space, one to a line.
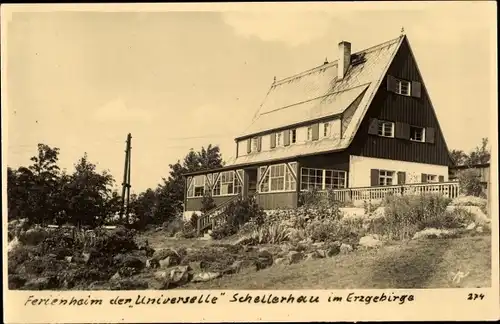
171,192
459,157
144,207
88,194
481,154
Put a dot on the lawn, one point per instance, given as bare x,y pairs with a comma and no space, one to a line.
415,264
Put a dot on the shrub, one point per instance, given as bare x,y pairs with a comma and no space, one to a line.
173,226
470,184
188,230
272,234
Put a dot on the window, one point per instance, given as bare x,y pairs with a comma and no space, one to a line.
293,136
403,87
326,129
417,134
385,178
432,178
321,179
255,144
309,133
277,178
278,139
385,128
197,187
227,184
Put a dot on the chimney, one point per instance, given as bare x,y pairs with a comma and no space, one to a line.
344,59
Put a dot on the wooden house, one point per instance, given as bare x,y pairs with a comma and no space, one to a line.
362,121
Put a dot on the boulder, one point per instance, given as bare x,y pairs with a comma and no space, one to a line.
345,248
152,263
333,249
479,216
352,212
234,268
179,276
312,256
69,259
161,275
279,261
264,260
197,266
132,262
205,276
85,257
295,257
116,277
165,253
370,241
479,229
319,245
431,233
168,262
33,236
13,244
244,240
322,253
471,226
42,283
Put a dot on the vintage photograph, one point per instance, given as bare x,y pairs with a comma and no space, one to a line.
249,149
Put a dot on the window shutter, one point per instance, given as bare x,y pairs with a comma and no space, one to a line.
402,130
373,127
401,178
259,143
429,135
424,178
286,139
249,145
441,178
315,132
415,89
392,83
273,140
374,177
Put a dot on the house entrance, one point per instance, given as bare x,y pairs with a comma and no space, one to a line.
250,181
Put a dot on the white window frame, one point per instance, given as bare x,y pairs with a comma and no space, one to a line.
423,134
399,89
279,137
292,133
432,178
309,133
255,144
287,179
382,130
384,176
327,129
218,184
324,176
194,186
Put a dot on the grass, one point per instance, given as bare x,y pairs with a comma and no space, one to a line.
413,264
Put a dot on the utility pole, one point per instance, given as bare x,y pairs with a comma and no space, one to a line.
126,181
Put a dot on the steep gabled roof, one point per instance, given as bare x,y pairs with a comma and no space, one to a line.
317,93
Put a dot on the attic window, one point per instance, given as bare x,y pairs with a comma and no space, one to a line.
385,128
403,87
417,134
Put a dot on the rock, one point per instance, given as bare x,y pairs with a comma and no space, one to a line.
333,249
319,244
322,253
352,212
161,275
370,241
116,277
234,268
197,266
132,262
42,283
306,241
205,276
471,226
85,257
100,285
165,253
68,259
244,240
479,229
179,276
431,233
13,244
279,261
312,256
295,257
167,262
16,281
345,248
152,263
33,236
476,211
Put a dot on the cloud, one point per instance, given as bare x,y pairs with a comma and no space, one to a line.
117,111
292,28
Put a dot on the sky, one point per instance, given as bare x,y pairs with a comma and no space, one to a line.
176,80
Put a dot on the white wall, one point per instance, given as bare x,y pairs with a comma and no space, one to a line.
301,136
360,168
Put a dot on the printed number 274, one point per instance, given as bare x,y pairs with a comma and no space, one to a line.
475,297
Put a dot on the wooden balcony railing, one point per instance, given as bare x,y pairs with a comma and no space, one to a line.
447,189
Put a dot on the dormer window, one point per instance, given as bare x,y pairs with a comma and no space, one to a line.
403,87
309,133
293,136
326,129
